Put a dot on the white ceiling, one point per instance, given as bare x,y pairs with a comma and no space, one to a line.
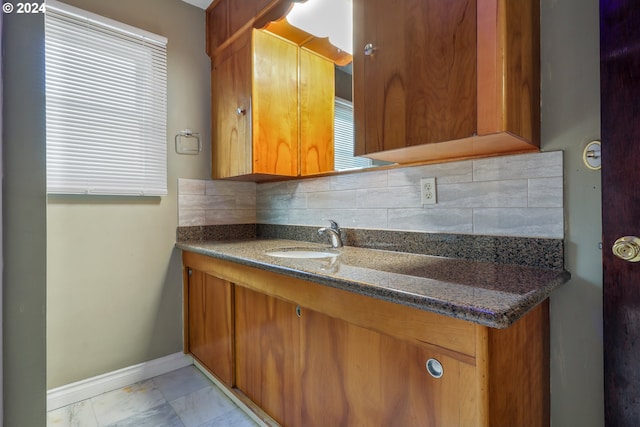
202,4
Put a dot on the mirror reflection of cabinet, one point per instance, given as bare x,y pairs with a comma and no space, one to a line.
272,109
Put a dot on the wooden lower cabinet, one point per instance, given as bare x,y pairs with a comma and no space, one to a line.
308,369
209,323
267,331
309,355
352,376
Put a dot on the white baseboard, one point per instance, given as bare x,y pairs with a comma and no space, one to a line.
91,387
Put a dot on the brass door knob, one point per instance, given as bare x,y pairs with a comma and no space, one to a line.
627,248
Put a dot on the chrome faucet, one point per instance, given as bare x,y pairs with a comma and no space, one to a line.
334,233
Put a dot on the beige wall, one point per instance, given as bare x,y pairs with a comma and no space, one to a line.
113,277
570,118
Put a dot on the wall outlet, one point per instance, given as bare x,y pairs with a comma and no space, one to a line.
428,191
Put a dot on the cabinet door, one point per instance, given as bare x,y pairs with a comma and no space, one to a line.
417,82
210,328
275,105
317,97
231,112
267,353
355,376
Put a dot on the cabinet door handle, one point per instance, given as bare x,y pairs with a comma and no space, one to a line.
241,111
298,311
435,369
369,49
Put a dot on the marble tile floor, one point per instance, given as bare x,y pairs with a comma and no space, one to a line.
181,398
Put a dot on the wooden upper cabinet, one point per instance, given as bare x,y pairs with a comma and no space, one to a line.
231,107
272,109
438,80
415,84
433,80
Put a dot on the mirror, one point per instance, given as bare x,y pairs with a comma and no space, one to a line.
325,27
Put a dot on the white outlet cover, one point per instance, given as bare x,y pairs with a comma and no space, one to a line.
428,193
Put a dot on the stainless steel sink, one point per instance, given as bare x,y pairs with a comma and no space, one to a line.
302,253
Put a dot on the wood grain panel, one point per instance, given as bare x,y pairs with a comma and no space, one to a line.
275,105
319,45
509,68
240,13
466,148
518,371
217,25
317,88
419,85
522,69
211,324
355,376
267,353
227,20
231,90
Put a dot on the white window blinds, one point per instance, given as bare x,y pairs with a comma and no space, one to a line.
344,139
105,105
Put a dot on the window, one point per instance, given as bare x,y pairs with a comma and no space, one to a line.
344,140
105,105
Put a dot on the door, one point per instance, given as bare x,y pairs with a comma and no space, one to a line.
620,105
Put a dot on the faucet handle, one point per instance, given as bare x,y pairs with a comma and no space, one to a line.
334,224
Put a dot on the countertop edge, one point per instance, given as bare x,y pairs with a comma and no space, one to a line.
499,319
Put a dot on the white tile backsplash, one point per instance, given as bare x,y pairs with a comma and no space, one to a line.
457,221
191,186
407,196
203,202
529,222
545,193
340,199
446,172
519,195
502,194
538,165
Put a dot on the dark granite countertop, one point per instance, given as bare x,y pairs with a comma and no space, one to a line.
486,293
